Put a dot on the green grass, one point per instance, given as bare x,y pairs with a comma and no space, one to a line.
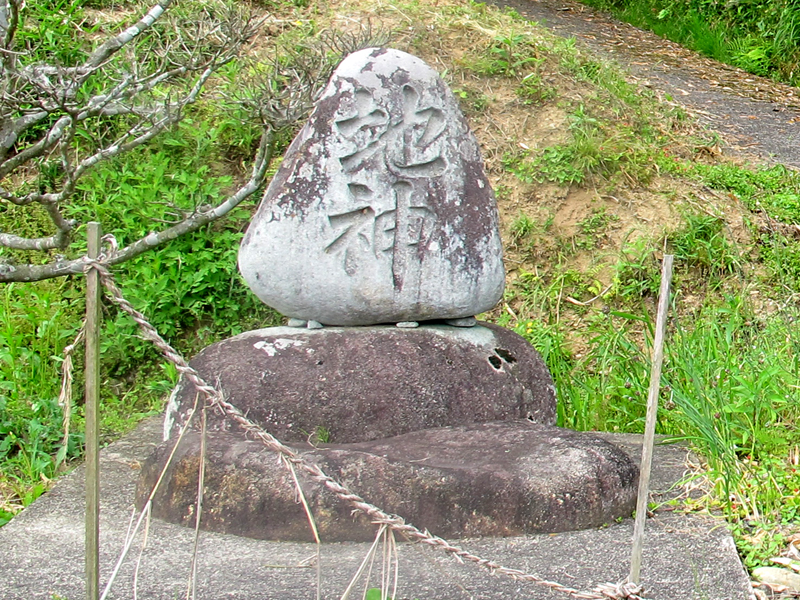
729,390
35,325
702,244
760,37
592,228
508,56
55,31
190,289
610,138
729,385
730,381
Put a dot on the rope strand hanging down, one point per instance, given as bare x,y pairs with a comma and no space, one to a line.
624,590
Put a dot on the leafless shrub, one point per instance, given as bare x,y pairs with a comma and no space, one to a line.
365,35
59,121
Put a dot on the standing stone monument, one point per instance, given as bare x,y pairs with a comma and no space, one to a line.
381,211
381,214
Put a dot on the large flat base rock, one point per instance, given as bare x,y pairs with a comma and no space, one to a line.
686,556
493,479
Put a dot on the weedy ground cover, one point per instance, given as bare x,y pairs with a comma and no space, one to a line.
595,180
190,289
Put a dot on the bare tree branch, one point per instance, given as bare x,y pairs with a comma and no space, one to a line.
10,130
9,240
9,18
173,115
38,149
110,47
12,272
135,95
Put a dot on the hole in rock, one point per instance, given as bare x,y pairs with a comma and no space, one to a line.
505,355
496,362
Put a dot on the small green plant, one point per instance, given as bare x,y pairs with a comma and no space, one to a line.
5,516
591,230
509,56
320,435
533,89
522,227
701,243
637,272
554,163
757,543
471,101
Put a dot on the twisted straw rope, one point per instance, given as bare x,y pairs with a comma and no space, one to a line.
624,590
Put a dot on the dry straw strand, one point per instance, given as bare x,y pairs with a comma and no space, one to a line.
144,514
191,592
65,395
311,522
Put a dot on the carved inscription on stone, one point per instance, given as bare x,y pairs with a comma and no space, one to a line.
381,210
394,233
394,152
408,141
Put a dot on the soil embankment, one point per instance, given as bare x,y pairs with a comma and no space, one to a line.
756,116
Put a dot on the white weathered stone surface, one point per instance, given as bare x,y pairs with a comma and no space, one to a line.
381,210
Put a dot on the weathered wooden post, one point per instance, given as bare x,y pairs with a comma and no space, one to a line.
92,374
650,423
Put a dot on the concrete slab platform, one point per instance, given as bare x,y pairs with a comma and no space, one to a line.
685,556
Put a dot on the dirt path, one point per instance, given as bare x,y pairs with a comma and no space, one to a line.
756,116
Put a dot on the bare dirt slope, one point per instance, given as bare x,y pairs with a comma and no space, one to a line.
755,115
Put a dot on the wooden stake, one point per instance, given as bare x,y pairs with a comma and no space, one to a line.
650,423
93,318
